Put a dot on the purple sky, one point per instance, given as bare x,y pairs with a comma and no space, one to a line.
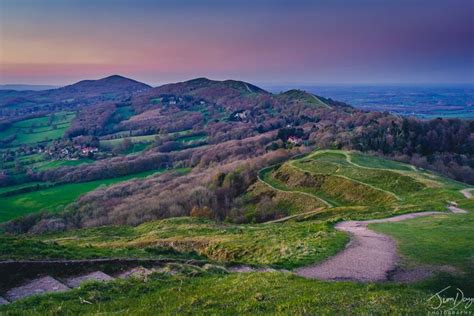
261,41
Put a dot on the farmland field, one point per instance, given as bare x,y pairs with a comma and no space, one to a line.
133,139
51,164
41,129
54,198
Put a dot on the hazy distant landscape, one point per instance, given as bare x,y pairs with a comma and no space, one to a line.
425,101
23,87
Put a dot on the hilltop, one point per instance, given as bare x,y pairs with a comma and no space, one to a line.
114,84
15,105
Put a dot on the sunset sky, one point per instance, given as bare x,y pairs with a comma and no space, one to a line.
260,41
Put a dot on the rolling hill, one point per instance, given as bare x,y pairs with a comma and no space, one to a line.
358,184
199,182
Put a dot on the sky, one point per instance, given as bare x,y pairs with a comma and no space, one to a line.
260,41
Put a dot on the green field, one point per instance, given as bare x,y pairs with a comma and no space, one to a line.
193,138
141,142
41,129
51,164
435,240
54,198
133,139
39,162
20,186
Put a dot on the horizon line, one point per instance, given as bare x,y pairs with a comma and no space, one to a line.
261,83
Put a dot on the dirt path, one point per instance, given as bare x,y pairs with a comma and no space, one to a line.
248,89
370,256
467,192
456,209
317,99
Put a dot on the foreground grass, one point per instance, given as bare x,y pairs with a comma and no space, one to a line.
285,245
54,198
234,294
434,240
25,248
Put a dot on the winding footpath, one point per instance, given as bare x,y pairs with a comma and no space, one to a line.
467,192
369,256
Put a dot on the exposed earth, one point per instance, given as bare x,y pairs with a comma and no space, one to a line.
369,257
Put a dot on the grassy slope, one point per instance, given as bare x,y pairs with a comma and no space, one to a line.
40,130
232,294
51,164
53,198
435,240
282,245
133,139
20,186
148,139
349,179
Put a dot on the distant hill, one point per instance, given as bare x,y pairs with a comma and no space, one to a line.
231,94
26,87
211,90
301,97
16,104
113,84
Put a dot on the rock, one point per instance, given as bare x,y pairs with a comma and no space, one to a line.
42,285
94,276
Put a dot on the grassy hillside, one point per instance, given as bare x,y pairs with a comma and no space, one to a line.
435,240
240,294
342,180
53,198
41,129
280,245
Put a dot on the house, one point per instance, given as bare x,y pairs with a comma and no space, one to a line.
295,140
89,150
241,115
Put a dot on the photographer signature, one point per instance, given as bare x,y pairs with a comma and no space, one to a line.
459,299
